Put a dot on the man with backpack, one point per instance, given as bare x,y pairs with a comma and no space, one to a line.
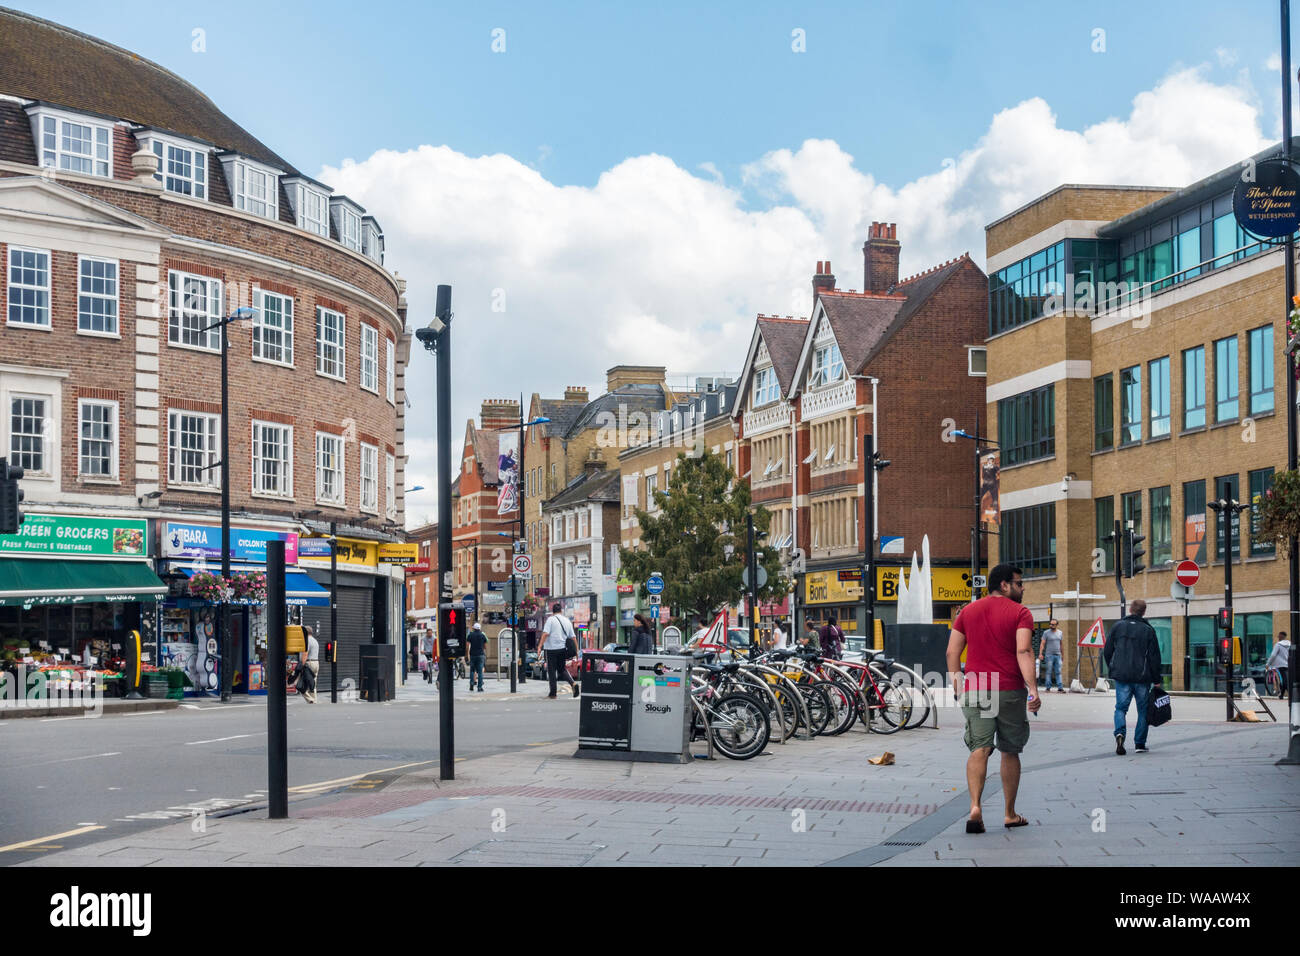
557,635
1133,661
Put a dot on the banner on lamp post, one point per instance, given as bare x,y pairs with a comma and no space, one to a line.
990,510
507,472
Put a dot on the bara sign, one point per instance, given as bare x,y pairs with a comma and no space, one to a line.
1267,205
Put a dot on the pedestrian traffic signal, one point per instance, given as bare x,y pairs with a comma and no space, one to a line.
330,652
1223,650
1225,619
1132,555
451,629
11,496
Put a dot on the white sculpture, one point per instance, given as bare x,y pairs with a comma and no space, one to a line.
914,602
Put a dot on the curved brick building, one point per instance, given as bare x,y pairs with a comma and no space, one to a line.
133,215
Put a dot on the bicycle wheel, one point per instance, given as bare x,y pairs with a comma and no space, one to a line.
740,726
920,695
844,708
818,703
1273,682
895,709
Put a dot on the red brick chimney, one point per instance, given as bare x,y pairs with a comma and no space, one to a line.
880,258
496,413
823,278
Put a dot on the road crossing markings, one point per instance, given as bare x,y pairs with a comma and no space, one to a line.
218,740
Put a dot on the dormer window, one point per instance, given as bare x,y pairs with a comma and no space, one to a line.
347,221
182,165
372,240
72,142
254,186
310,202
765,387
828,366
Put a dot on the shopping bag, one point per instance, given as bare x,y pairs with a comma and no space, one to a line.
1159,710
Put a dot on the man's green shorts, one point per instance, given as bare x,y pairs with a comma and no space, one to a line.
998,719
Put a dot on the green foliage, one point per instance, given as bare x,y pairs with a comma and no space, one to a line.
688,538
1279,511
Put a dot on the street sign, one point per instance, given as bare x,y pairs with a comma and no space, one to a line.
655,584
981,581
654,612
656,599
523,564
1181,592
521,546
762,576
1187,573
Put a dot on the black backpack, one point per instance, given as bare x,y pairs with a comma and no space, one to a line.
1159,710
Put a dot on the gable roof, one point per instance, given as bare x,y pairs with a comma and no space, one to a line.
602,485
51,63
783,336
562,414
623,401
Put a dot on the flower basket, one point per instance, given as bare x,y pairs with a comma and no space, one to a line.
208,587
249,588
1279,510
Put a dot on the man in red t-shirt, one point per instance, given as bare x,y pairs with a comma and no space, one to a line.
999,686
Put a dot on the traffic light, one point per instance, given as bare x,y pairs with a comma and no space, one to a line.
451,629
11,497
1223,650
1132,553
330,649
1225,619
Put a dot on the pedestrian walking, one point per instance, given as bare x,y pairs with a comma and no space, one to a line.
779,637
310,659
643,640
1049,652
1133,662
477,642
832,639
998,690
558,633
1280,659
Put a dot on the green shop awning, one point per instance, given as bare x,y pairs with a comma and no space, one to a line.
31,581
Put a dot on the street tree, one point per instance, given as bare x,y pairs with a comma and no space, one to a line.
697,538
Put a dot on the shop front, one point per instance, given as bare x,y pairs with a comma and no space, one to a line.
189,630
369,605
72,589
838,591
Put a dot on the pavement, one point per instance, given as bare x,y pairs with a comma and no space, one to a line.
1208,794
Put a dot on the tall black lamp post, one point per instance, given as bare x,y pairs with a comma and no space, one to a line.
871,464
227,651
978,528
517,675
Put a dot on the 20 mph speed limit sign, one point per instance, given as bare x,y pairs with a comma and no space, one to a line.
523,564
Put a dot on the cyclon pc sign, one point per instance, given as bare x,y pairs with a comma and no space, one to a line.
75,909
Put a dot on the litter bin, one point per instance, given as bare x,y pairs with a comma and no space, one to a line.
605,709
378,663
922,647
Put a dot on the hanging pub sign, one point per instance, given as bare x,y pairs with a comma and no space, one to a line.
1267,203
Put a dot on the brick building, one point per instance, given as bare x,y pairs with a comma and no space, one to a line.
133,215
422,583
900,360
695,424
583,524
1141,385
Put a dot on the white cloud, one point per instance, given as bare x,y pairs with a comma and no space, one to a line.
655,265
1274,63
1226,57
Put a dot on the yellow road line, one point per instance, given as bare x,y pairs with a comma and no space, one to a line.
309,787
57,836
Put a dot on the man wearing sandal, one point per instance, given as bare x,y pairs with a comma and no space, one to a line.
998,690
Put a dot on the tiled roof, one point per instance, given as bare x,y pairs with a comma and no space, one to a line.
784,339
486,450
622,401
40,60
602,485
859,320
562,415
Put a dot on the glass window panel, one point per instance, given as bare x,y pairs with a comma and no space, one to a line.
1130,387
1161,548
1105,511
1260,483
1226,391
1159,374
1261,369
1194,387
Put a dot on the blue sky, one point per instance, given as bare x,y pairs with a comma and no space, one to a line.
580,86
634,183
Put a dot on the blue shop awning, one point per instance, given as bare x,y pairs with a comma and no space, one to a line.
299,590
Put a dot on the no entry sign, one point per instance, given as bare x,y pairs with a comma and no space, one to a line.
1187,573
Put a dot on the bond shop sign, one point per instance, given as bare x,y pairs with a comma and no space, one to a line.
316,552
1268,204
404,554
844,586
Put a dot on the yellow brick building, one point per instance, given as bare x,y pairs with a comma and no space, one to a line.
1136,371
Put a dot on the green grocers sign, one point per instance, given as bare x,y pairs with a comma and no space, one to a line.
78,537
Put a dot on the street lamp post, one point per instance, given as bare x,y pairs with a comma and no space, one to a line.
1227,509
978,528
517,675
227,652
872,465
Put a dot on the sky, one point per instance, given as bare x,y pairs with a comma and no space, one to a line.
606,183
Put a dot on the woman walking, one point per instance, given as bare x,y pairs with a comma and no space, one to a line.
643,641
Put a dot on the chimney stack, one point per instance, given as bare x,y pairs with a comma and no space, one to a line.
880,258
498,413
574,393
823,279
